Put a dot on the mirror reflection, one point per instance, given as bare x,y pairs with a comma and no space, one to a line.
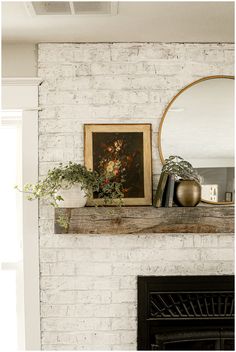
199,126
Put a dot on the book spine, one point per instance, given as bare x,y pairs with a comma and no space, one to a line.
160,190
170,192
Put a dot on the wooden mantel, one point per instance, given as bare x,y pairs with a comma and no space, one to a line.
136,220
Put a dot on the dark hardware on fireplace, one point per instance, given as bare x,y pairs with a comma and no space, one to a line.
186,313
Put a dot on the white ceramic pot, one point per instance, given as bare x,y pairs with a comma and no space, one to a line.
74,197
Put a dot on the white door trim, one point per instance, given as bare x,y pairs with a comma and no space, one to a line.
22,93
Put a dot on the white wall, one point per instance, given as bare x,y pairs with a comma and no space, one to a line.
88,282
19,60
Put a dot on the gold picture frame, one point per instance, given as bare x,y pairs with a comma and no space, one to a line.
129,147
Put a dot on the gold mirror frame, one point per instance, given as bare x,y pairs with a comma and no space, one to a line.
164,116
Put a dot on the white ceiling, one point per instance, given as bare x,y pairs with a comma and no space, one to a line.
135,22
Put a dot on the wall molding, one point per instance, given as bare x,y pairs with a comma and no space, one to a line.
21,81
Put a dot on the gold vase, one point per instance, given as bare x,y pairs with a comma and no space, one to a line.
187,193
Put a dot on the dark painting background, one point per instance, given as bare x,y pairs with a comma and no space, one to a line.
121,154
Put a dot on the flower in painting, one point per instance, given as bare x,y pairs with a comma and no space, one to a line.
118,145
110,166
110,149
113,167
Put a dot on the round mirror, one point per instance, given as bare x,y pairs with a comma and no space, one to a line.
198,125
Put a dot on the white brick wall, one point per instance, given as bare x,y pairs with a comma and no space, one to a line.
88,282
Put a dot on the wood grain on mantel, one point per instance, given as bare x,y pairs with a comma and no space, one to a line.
148,219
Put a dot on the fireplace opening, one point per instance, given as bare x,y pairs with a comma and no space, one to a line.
186,313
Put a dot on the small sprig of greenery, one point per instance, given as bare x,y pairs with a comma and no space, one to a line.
64,221
65,176
180,168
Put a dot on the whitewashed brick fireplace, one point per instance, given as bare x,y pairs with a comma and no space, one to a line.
89,282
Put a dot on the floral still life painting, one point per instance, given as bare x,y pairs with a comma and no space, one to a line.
123,154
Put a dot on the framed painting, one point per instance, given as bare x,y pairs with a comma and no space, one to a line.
125,150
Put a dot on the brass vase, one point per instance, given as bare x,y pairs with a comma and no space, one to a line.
187,193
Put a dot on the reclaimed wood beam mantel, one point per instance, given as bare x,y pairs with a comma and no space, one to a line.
136,220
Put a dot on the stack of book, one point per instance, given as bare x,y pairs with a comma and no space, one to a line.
165,191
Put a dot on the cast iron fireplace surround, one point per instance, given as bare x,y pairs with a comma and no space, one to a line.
185,313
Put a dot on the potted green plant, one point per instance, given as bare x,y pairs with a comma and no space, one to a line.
188,188
180,168
70,185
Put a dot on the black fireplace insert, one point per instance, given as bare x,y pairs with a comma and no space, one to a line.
186,313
